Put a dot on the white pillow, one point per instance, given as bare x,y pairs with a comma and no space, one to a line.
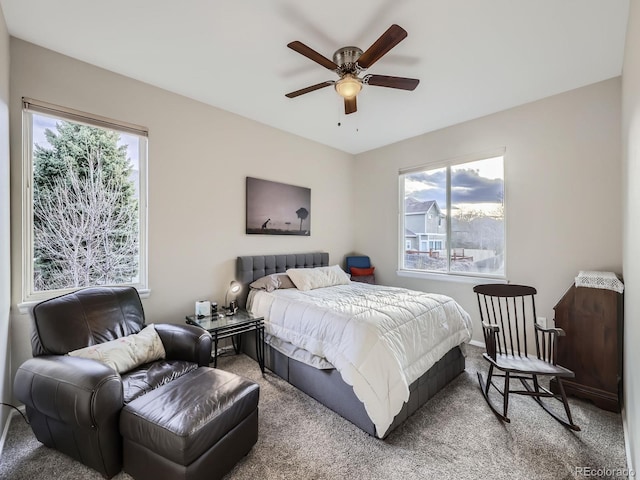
126,353
310,278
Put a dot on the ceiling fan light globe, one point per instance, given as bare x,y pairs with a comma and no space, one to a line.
348,86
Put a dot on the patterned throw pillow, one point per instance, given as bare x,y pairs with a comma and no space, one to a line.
126,353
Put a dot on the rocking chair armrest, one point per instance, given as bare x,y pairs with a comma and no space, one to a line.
491,331
492,327
554,331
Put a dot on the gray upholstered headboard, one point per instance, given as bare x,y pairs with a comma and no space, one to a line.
250,268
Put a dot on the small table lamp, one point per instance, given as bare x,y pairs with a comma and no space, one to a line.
233,290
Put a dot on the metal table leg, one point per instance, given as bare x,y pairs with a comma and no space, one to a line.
215,349
260,347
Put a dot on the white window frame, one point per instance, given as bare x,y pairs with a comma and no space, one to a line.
469,277
29,107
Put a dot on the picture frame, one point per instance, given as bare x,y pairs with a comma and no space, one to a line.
274,208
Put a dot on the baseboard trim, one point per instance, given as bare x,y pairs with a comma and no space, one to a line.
627,447
476,343
5,431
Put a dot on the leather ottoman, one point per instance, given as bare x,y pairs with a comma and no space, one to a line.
197,426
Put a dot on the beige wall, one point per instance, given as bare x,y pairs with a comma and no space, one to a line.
5,263
563,177
199,157
631,203
562,189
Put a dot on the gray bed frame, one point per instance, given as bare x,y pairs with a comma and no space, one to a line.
327,386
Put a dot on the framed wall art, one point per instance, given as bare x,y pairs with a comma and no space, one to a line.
277,208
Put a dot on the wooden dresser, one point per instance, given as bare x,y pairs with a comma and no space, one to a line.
593,321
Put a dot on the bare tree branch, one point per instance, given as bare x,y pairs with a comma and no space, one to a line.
87,234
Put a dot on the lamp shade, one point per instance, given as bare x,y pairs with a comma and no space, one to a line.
234,287
348,86
233,290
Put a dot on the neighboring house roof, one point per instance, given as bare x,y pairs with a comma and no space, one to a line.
409,233
415,206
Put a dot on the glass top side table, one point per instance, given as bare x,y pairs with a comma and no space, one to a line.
232,326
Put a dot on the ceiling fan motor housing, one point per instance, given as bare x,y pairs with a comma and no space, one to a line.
346,58
349,62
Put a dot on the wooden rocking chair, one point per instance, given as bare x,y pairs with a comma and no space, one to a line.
505,311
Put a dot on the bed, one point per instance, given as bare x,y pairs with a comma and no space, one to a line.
373,354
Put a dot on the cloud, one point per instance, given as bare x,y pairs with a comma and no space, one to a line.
425,186
467,187
436,178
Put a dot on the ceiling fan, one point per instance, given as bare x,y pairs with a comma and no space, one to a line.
349,62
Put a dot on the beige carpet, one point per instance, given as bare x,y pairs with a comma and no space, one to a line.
454,436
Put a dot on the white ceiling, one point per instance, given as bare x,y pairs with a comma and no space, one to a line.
473,57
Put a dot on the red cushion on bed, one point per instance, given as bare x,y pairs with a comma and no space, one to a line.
357,272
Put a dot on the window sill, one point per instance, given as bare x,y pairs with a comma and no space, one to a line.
447,277
27,306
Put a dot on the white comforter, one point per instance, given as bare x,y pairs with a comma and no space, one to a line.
379,338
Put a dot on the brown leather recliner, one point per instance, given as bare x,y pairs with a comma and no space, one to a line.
74,403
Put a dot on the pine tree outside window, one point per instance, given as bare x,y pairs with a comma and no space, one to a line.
84,201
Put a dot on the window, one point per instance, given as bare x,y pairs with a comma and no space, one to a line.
85,201
435,245
469,236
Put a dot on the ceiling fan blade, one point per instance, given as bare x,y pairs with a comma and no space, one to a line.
391,82
350,105
311,54
389,39
312,88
